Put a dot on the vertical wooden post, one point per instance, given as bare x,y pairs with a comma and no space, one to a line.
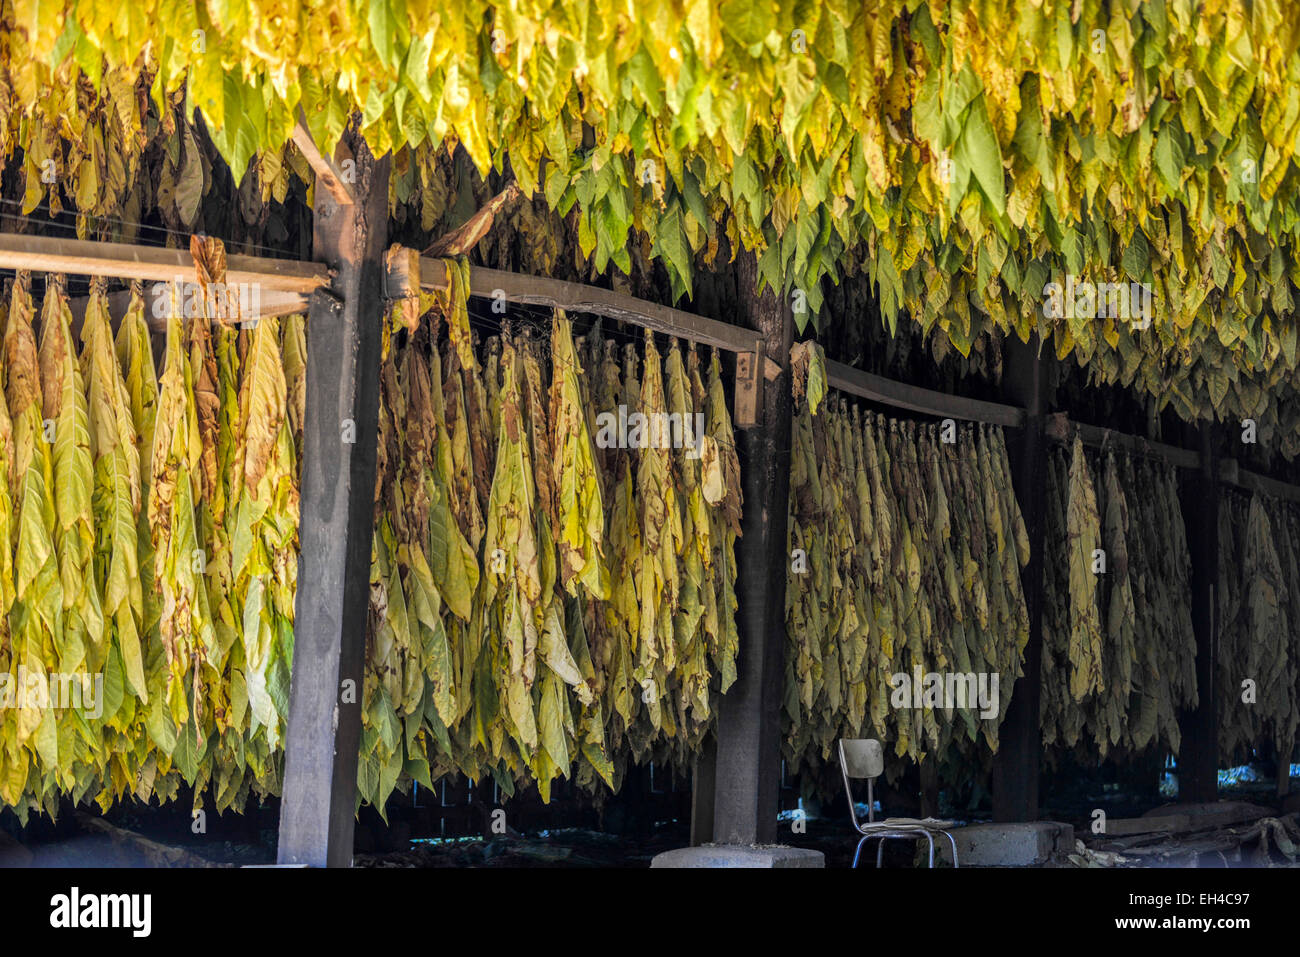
929,781
1198,757
703,784
318,808
748,765
1016,764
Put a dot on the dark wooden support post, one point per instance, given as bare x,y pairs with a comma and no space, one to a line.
748,766
318,809
1016,764
1198,756
703,786
929,774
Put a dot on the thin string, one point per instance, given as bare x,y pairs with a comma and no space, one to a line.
59,224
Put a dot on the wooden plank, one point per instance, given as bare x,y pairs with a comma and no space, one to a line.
1128,826
327,174
317,810
749,387
900,395
79,257
578,297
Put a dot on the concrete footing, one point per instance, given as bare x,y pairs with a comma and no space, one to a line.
1008,845
739,855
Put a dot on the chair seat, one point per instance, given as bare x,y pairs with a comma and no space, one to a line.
929,823
933,825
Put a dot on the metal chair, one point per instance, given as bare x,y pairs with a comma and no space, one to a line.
865,758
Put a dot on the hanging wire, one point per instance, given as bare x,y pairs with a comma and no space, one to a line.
72,227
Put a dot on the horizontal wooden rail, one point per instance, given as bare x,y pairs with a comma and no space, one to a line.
876,388
79,257
1253,482
272,304
1063,429
575,297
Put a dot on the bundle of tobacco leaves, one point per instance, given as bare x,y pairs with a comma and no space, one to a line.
906,549
1118,650
150,549
553,577
1258,651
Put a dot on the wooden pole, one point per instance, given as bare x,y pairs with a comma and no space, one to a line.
1198,755
902,395
748,765
427,273
1016,764
83,257
317,811
703,788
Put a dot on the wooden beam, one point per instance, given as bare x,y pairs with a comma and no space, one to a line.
1017,762
1061,428
327,174
747,768
578,297
318,808
900,395
1254,482
1128,826
78,257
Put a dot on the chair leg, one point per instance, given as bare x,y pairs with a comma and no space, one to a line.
880,848
953,841
930,838
858,852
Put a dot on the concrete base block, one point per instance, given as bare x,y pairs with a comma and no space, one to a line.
739,855
1008,845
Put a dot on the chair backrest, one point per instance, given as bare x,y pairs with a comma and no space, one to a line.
861,757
